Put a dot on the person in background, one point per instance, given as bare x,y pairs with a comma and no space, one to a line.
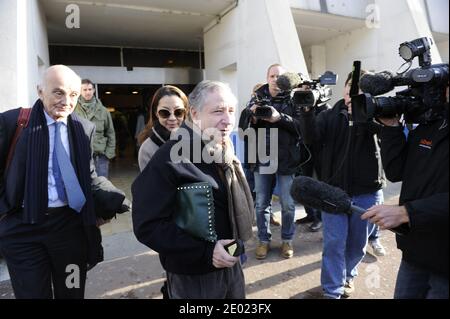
168,110
282,120
92,109
350,159
249,167
311,166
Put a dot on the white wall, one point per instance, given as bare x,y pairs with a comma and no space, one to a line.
8,60
221,45
24,53
443,50
38,55
251,37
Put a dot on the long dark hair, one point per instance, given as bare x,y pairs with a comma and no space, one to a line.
167,90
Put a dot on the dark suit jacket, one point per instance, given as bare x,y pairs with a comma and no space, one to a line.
13,183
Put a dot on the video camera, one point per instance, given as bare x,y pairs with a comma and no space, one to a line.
317,93
263,109
422,101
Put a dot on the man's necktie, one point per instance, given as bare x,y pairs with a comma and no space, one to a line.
66,180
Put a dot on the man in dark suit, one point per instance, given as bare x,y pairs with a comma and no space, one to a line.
49,233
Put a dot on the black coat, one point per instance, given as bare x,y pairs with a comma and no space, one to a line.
288,130
154,195
13,184
349,156
421,163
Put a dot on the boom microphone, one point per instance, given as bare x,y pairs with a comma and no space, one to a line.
378,83
288,81
318,195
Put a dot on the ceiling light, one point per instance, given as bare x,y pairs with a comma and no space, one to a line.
135,92
108,92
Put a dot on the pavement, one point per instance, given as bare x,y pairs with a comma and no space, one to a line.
132,271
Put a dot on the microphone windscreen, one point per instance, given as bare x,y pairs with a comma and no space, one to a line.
288,81
319,195
378,83
354,88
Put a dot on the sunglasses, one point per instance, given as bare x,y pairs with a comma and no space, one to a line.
165,114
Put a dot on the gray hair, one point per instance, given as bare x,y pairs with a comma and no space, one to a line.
198,96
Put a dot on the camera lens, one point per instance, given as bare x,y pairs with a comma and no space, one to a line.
406,52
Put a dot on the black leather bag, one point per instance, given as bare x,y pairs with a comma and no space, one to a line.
194,211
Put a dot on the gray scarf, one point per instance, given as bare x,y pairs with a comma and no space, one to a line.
240,202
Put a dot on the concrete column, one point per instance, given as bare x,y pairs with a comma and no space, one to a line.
401,21
247,40
267,35
24,54
8,54
318,61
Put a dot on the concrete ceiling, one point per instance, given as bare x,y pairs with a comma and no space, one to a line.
165,24
168,24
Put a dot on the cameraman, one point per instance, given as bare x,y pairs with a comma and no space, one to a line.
288,159
421,162
308,168
350,160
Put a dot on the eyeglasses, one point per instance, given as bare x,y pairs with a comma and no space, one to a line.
165,114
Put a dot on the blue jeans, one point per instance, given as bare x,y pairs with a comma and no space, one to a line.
101,165
344,244
417,283
264,190
374,235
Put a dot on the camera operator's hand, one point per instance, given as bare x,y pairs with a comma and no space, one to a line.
253,118
395,121
387,216
276,116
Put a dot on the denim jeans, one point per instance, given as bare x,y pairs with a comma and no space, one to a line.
417,283
101,165
264,190
374,235
344,244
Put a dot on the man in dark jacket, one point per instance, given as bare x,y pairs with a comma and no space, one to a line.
280,127
197,267
350,160
421,162
48,228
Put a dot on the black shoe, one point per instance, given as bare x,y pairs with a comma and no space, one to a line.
315,226
304,220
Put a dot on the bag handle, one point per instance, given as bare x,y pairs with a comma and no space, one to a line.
22,122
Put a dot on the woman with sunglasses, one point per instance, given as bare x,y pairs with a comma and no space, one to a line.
167,111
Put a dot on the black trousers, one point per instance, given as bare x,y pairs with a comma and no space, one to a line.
52,253
225,283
